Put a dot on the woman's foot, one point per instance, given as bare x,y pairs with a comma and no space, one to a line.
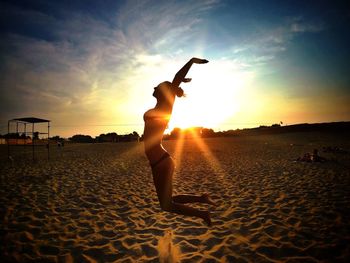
206,199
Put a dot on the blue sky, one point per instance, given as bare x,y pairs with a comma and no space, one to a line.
90,66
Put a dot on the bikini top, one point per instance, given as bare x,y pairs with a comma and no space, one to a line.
151,115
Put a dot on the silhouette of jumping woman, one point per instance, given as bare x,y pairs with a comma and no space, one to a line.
156,121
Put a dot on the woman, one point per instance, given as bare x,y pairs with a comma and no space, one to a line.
156,121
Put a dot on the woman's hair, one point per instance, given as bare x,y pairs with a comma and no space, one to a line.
179,92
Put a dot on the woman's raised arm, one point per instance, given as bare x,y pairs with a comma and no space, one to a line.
180,76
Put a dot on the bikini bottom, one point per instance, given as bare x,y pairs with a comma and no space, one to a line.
162,158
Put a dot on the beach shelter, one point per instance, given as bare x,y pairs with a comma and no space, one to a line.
26,126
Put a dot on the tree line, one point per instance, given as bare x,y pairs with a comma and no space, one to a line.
198,132
80,138
109,137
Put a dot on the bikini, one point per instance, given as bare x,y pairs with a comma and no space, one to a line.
162,158
165,155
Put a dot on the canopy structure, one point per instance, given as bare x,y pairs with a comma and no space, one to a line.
30,120
34,135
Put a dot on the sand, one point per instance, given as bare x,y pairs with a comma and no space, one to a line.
97,203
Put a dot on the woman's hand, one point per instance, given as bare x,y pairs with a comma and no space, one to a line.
181,75
199,61
186,80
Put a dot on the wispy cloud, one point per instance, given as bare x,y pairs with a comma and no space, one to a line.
77,67
299,24
88,66
268,42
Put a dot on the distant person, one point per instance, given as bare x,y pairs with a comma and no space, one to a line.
156,121
314,157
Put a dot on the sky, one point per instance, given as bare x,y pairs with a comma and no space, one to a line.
91,66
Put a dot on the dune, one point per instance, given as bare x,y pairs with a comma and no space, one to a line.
97,203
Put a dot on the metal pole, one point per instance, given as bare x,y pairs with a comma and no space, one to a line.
8,140
25,138
48,140
16,132
33,140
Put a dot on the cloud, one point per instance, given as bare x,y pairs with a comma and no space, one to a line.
78,67
300,25
92,68
268,42
165,25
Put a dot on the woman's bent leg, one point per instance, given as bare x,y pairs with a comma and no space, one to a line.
183,199
162,178
190,211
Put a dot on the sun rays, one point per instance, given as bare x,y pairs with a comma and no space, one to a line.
179,145
209,156
214,163
179,149
195,136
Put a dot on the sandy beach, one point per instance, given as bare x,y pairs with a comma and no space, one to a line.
97,202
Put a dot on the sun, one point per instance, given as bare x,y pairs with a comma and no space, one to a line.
212,97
